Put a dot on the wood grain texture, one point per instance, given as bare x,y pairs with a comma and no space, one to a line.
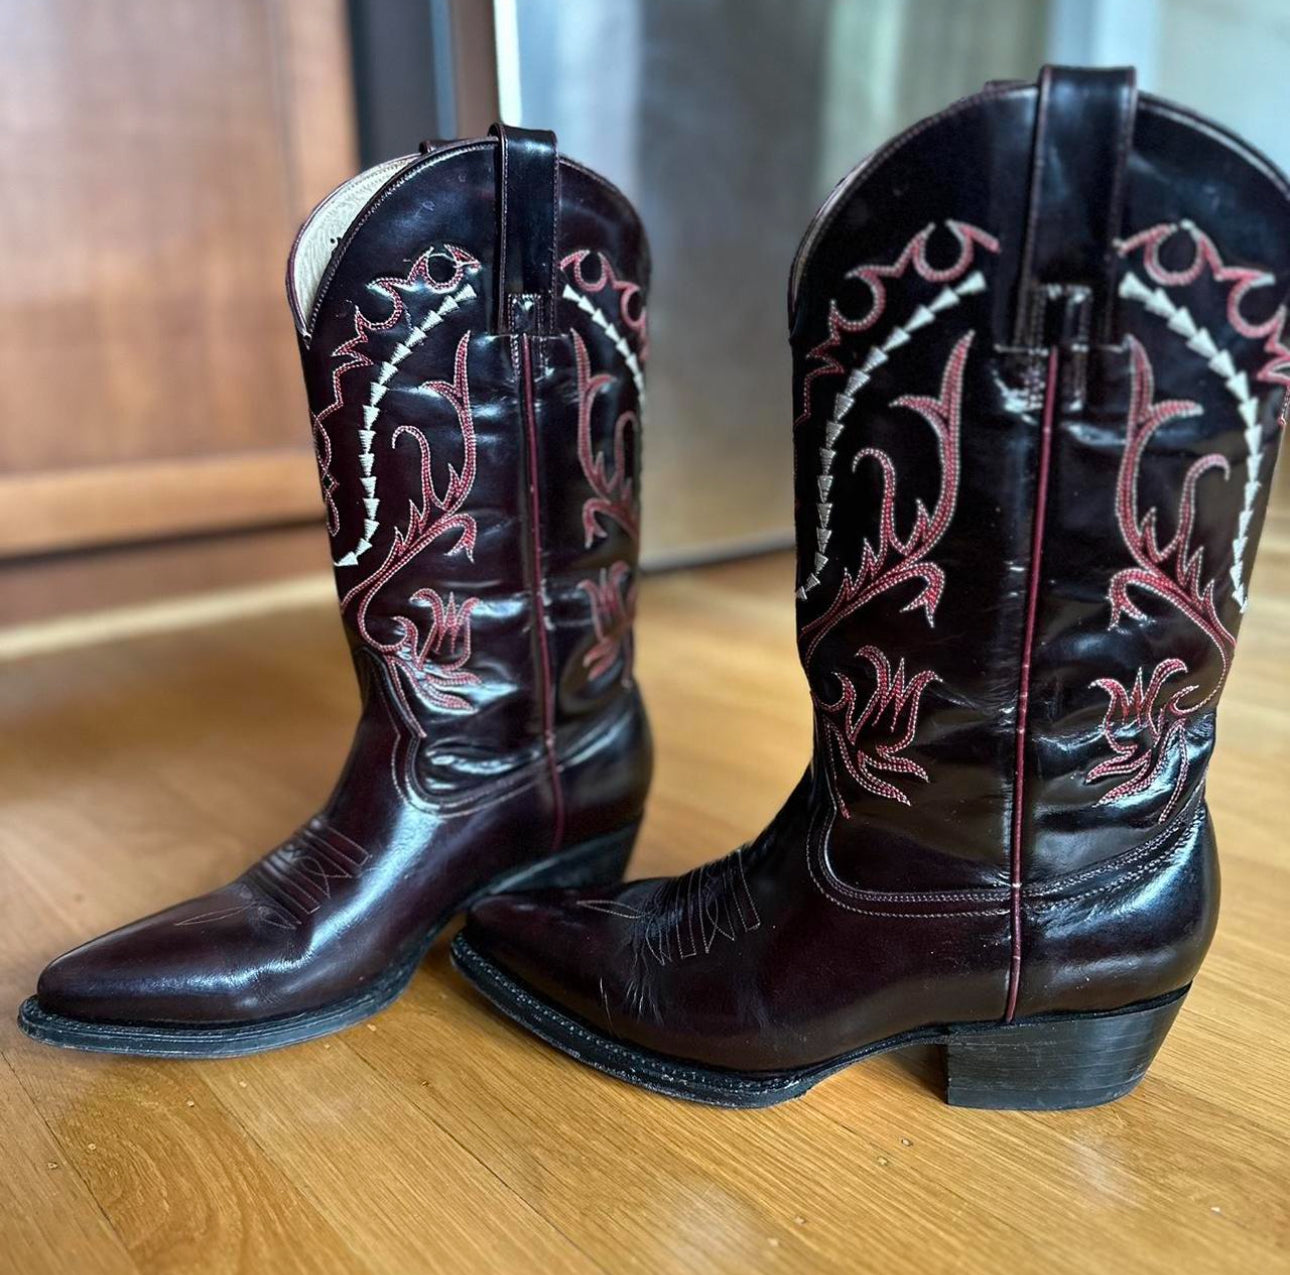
70,585
107,504
156,158
440,1137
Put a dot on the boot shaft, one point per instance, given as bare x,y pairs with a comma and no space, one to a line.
1039,380
472,328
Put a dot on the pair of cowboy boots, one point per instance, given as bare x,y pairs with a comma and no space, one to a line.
1039,382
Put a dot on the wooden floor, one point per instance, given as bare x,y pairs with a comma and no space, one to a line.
438,1138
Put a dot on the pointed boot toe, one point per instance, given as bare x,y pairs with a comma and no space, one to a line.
472,324
562,946
1039,373
166,982
88,982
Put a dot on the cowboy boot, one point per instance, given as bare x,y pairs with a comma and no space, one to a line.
1039,360
472,327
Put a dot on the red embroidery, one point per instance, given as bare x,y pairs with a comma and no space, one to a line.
1218,360
614,496
894,696
1138,710
612,598
1173,573
613,609
874,277
434,667
894,560
391,288
893,705
1239,280
631,306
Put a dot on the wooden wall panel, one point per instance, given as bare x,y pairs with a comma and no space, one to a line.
68,509
65,585
156,157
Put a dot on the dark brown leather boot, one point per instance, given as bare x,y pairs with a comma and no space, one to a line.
1039,364
472,325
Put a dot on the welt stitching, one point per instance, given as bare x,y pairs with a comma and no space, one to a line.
733,1083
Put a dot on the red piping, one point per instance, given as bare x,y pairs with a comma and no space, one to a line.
539,602
1023,688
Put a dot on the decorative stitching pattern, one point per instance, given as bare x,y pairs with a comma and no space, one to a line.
433,667
874,277
921,319
689,913
613,611
892,561
614,498
896,697
1109,875
295,880
1239,281
1174,574
631,308
613,491
355,356
837,892
455,804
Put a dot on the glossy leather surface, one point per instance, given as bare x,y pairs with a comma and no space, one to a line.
480,478
1038,371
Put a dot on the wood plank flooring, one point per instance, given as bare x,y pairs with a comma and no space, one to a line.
439,1138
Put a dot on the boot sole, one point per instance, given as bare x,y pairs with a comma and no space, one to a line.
592,862
1052,1062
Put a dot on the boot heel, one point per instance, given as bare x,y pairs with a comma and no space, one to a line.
600,861
1059,1061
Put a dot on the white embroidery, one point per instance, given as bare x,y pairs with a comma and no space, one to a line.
1276,370
585,304
372,411
1219,362
922,319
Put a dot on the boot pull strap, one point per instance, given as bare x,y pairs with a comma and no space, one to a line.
528,203
1083,138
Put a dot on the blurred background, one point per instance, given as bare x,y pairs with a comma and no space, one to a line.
156,157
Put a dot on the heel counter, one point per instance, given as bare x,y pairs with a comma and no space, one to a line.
1137,928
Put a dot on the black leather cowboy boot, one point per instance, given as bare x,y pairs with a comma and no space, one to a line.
1039,364
472,326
